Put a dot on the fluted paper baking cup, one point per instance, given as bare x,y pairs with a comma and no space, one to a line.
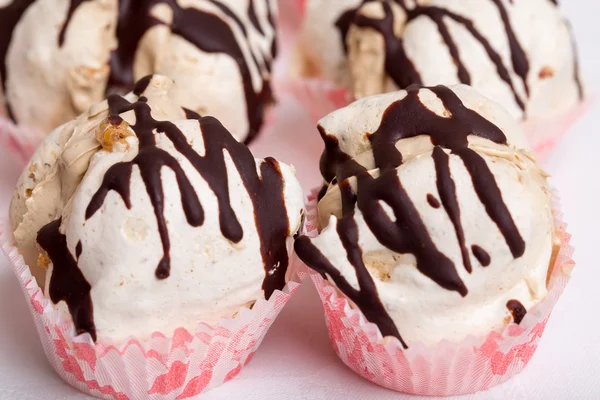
320,97
179,366
544,134
447,369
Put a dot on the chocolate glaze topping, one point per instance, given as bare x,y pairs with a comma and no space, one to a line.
265,188
447,191
397,64
78,250
401,69
520,63
407,233
266,191
366,298
517,310
206,30
67,282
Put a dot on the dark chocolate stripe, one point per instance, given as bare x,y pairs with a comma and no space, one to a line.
141,85
73,5
401,69
519,59
205,30
433,202
10,16
577,72
117,180
462,73
517,310
437,15
78,250
265,188
406,233
189,114
253,18
366,298
489,193
397,64
481,255
67,283
447,191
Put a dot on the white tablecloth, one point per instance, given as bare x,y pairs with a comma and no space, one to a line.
296,360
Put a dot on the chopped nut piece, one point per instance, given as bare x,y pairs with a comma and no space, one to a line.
109,134
381,270
43,260
32,171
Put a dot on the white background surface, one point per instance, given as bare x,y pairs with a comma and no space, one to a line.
296,360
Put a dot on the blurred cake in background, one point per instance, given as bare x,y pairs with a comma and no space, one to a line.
519,53
58,58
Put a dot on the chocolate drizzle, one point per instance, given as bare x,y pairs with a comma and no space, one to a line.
433,202
447,191
10,16
517,310
397,64
205,30
73,5
265,188
481,255
67,283
366,298
401,69
265,191
407,233
519,59
253,17
78,250
577,72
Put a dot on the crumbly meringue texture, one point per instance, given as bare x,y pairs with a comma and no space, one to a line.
411,291
118,247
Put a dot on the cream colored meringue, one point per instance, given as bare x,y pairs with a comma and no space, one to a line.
118,248
421,309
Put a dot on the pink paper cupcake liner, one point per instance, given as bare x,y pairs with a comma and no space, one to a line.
19,141
447,369
320,97
179,366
